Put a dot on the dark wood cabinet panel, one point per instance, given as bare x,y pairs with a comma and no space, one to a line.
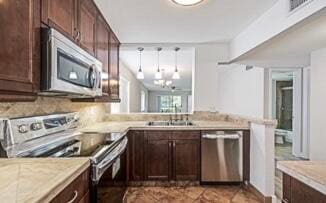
186,159
186,135
136,155
167,158
102,51
20,49
246,156
87,15
295,191
114,47
301,193
61,15
157,158
76,191
286,188
158,135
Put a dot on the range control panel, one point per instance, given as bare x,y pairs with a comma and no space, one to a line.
24,129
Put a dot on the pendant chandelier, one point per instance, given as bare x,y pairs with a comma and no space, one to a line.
176,74
140,74
158,74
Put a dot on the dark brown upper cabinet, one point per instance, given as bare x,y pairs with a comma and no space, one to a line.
102,52
86,25
61,15
20,50
74,18
114,46
82,22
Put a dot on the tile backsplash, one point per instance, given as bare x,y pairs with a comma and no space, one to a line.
89,112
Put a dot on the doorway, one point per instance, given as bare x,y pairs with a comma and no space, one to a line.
287,104
283,112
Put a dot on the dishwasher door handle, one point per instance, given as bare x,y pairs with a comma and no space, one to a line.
215,137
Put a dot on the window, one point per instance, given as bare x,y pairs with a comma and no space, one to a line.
169,103
142,101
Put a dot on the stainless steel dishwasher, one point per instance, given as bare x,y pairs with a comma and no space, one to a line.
221,157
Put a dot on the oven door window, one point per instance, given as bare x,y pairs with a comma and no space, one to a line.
74,71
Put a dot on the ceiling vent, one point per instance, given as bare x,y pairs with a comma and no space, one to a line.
294,4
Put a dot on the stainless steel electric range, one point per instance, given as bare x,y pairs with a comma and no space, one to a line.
57,136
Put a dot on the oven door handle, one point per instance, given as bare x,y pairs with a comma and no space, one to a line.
100,168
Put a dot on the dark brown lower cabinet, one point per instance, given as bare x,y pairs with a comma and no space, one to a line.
186,159
157,161
295,191
77,191
136,155
172,155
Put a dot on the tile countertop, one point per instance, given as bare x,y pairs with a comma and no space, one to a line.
37,180
312,173
124,126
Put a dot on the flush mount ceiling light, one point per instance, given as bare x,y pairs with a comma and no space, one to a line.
140,74
176,74
158,74
187,2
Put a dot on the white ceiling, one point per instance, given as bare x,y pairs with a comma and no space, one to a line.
291,48
161,21
130,57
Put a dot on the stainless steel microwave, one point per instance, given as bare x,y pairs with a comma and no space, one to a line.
67,69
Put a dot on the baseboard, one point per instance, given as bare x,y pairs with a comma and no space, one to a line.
261,197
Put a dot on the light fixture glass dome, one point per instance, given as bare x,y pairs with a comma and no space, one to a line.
140,75
187,2
176,75
158,75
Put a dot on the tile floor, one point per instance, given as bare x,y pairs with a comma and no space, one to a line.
204,194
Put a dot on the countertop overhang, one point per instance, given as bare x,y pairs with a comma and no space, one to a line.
311,173
38,179
41,179
125,126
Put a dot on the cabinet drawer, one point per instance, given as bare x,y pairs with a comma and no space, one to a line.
85,199
185,135
157,135
76,191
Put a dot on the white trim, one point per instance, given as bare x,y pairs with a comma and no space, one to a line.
297,113
306,113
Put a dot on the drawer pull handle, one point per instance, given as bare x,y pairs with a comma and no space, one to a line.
75,197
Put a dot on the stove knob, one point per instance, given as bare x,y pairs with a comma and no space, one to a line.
36,126
23,128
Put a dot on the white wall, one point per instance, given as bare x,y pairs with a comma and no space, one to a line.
262,164
135,88
317,105
276,20
206,76
241,91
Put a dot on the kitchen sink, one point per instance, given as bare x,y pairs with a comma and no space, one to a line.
170,123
